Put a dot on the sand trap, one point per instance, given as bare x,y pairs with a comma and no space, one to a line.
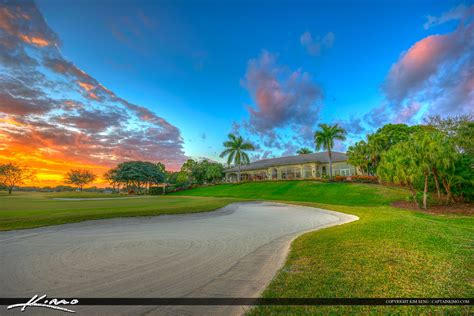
232,252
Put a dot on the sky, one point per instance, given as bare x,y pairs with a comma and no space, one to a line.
89,84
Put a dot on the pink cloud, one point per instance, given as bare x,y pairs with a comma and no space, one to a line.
434,74
423,60
282,98
408,112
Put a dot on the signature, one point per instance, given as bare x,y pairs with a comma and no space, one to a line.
41,301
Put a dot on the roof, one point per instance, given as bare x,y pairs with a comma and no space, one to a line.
291,160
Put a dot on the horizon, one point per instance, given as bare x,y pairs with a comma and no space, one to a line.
167,81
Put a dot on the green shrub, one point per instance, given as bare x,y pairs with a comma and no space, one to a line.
418,199
156,191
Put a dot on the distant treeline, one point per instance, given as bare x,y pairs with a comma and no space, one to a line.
145,177
61,188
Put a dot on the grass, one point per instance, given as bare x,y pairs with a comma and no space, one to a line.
28,210
389,252
305,191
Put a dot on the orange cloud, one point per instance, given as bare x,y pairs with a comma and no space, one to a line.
55,132
38,41
86,86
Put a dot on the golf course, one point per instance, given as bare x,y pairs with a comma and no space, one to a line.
388,252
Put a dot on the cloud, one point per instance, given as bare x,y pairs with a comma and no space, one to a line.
378,116
54,113
91,120
290,149
433,77
427,58
354,125
408,112
235,128
315,46
460,12
283,99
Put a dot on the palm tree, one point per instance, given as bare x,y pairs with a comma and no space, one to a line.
324,139
304,151
235,148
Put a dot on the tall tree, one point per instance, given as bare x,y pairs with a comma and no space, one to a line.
427,153
79,177
460,129
358,155
325,137
384,138
304,151
111,177
214,172
13,174
235,150
137,175
398,166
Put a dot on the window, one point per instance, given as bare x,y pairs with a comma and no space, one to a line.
345,172
274,173
308,172
291,173
323,170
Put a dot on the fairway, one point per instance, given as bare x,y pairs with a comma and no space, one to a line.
307,191
28,210
389,252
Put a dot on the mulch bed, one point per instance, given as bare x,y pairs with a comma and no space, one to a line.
457,208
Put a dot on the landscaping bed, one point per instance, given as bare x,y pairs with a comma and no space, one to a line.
456,208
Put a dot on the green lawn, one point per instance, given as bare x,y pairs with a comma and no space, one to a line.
28,210
389,252
306,191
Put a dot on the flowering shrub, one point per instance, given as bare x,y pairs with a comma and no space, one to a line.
340,178
364,179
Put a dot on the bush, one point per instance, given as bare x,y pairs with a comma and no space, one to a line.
418,199
155,191
339,179
177,187
364,179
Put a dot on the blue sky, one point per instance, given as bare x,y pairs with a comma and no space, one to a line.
187,66
207,67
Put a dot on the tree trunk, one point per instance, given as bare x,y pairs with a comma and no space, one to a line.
80,188
425,192
447,187
10,190
435,173
330,163
410,185
238,175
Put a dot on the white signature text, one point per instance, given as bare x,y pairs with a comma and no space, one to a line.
41,301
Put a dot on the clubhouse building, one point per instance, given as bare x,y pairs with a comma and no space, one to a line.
307,166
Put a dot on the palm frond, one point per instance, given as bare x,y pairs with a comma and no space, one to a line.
245,158
225,152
